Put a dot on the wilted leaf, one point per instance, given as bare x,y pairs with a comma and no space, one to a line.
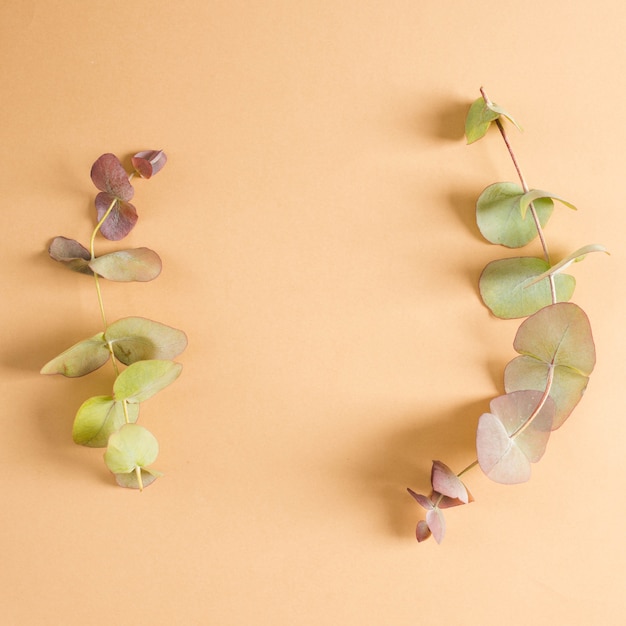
149,162
500,219
143,379
82,358
120,221
71,253
137,264
505,445
447,483
98,418
109,175
130,447
508,288
558,338
534,195
138,339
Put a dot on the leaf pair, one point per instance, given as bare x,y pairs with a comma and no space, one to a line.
130,339
137,264
448,491
481,115
116,191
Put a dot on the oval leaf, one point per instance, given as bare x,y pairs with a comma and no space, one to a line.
120,221
422,532
478,120
98,418
447,483
508,287
109,175
137,339
71,253
143,379
499,217
130,447
436,523
82,358
149,162
138,264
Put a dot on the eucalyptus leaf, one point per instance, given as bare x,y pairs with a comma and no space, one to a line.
108,175
149,162
500,219
131,481
509,289
534,195
138,264
137,338
143,379
80,359
71,253
132,446
120,221
98,418
447,483
480,116
506,442
436,523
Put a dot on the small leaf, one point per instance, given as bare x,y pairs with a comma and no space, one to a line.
143,379
422,532
139,339
499,217
98,418
131,481
71,253
509,289
137,264
480,116
120,221
149,162
447,483
437,524
109,175
534,195
130,447
506,446
574,257
80,359
421,499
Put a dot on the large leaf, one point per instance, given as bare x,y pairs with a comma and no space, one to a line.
120,220
137,264
507,442
137,338
82,358
98,418
71,253
556,341
508,287
480,116
143,379
500,219
109,175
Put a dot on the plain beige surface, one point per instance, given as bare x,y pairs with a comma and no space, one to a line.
315,221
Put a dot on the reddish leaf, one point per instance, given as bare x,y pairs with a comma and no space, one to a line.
422,532
120,221
447,483
149,162
109,175
71,253
444,502
422,500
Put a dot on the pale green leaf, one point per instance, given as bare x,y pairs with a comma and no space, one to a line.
137,339
478,120
143,379
138,264
504,287
132,446
99,417
80,359
534,195
132,481
499,217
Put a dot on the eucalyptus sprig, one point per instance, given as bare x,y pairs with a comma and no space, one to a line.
140,350
554,343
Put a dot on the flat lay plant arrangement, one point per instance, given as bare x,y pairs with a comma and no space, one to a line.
555,347
141,351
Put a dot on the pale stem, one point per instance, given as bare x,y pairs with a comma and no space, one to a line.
139,479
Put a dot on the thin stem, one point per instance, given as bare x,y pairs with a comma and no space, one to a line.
139,479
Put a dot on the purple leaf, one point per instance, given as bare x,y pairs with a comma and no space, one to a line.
447,483
422,500
444,502
71,253
120,221
109,175
422,532
149,162
137,264
437,524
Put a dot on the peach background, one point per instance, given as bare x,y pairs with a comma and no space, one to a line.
316,225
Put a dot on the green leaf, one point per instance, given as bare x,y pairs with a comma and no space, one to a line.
480,116
98,418
133,481
143,379
574,257
506,446
500,219
137,338
556,339
82,358
534,195
138,264
509,289
131,447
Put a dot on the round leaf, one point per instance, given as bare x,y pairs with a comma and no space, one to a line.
143,379
508,289
109,175
130,447
138,264
149,162
120,221
82,358
98,418
500,219
71,253
137,339
132,481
